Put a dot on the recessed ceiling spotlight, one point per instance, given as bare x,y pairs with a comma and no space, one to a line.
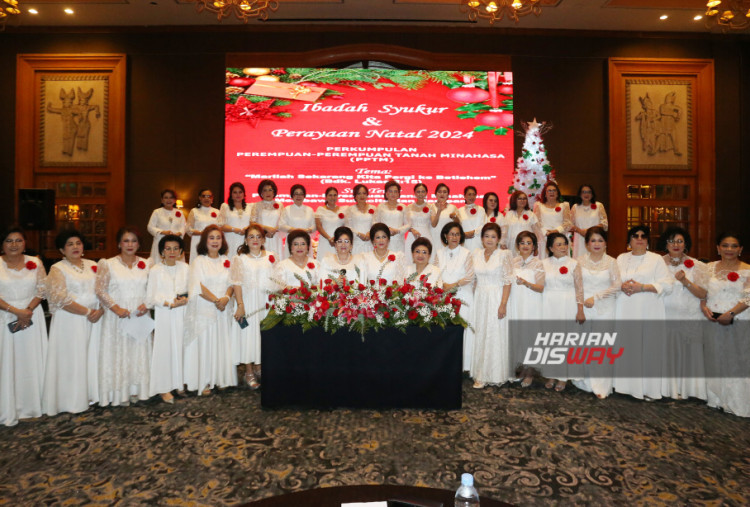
663,17
68,10
698,17
33,11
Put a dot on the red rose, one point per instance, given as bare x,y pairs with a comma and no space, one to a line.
473,211
391,257
733,277
327,281
593,205
275,205
563,270
371,211
341,216
307,307
271,259
289,309
425,210
227,263
689,263
413,315
503,213
400,208
30,265
141,265
213,214
525,216
311,265
386,315
372,282
493,220
558,209
361,286
94,268
383,281
388,292
268,306
270,297
422,278
434,313
177,214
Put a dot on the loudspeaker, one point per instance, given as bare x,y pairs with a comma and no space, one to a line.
36,209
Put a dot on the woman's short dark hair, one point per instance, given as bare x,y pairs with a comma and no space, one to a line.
721,237
296,234
201,192
202,248
168,191
531,236
669,235
422,241
230,201
268,183
343,231
64,235
253,226
421,185
580,189
122,231
645,229
470,187
446,229
358,187
296,187
492,226
513,204
442,185
543,194
484,203
596,230
329,189
391,183
173,238
551,240
379,227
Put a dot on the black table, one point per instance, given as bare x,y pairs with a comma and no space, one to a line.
388,369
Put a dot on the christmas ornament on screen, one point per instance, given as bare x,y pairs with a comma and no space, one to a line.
468,93
533,169
497,116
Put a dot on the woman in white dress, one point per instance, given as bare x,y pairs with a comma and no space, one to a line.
297,215
587,213
382,265
553,215
235,215
167,293
124,363
75,318
525,303
684,376
640,306
601,284
23,353
457,271
393,214
165,220
472,217
267,212
421,267
419,217
493,268
342,264
203,215
493,215
251,276
444,214
299,266
726,339
359,218
328,218
208,359
562,299
517,219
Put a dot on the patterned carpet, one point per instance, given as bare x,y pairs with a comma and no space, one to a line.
525,446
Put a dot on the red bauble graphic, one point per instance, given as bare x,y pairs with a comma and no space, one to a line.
467,94
495,118
241,81
505,89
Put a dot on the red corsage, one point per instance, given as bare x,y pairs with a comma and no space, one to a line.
563,270
733,277
371,211
558,209
94,268
689,263
473,211
141,265
341,216
30,265
311,265
425,210
593,205
275,205
399,208
177,214
493,220
213,214
391,257
271,259
525,216
227,263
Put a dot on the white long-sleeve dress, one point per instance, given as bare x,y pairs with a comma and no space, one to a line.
513,224
124,364
491,362
23,354
556,217
644,309
162,220
524,304
254,276
360,222
198,219
472,218
208,360
584,217
728,347
418,218
457,264
165,283
238,218
296,217
330,220
395,219
268,213
444,218
66,383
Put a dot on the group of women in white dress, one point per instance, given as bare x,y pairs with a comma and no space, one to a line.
514,264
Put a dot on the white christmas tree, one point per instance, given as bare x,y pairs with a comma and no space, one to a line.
532,167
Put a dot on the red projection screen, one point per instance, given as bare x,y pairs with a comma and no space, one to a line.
341,127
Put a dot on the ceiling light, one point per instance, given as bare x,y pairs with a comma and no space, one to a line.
33,11
495,10
242,9
731,15
663,17
68,10
698,17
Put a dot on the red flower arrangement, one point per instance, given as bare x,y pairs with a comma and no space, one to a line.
141,265
213,214
275,205
271,259
177,214
371,211
593,205
341,216
310,265
563,270
400,208
227,263
558,209
689,263
392,258
425,210
94,268
733,277
473,211
30,265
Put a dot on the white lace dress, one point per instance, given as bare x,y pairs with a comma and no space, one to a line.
254,276
268,213
286,273
513,224
728,347
330,220
418,218
455,265
491,362
237,218
391,268
472,218
524,305
360,222
165,283
124,365
296,217
164,220
200,218
23,354
330,267
395,219
556,217
208,359
66,382
444,218
584,217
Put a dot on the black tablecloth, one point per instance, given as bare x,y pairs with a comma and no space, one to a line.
389,369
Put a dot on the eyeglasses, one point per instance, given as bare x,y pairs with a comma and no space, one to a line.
206,196
342,241
638,236
454,234
676,241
